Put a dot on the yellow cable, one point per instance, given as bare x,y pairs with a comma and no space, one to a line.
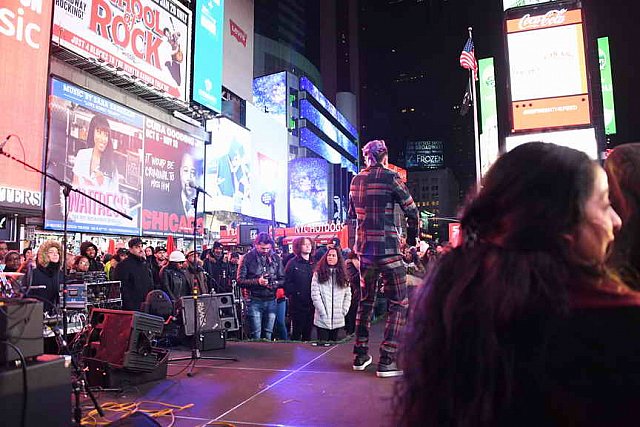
126,409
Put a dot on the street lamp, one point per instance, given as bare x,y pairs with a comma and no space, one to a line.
269,198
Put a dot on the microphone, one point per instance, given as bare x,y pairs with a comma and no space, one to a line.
198,188
4,142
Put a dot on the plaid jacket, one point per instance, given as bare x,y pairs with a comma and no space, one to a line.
372,197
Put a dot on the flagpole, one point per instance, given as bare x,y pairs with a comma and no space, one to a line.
476,128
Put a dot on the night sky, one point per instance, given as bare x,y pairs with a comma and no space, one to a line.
410,51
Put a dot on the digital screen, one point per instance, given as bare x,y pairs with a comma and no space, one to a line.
95,145
23,96
309,112
243,164
606,81
508,4
173,165
270,95
149,40
313,142
308,191
424,154
207,57
547,69
578,139
306,85
238,46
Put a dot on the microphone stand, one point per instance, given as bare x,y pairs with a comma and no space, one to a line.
66,190
198,337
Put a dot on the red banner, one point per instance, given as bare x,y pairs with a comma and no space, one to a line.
24,43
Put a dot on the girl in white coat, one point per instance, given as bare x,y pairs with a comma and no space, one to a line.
331,295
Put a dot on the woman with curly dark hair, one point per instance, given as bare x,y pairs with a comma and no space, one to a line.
521,325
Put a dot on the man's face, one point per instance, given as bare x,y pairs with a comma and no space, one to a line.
3,250
137,250
161,255
217,252
264,248
234,260
306,247
187,175
91,252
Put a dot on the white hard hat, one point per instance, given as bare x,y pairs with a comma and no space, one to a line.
177,256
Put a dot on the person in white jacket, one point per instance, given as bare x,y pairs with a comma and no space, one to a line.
331,295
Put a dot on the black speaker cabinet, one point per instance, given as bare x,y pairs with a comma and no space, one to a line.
21,325
227,311
123,338
49,396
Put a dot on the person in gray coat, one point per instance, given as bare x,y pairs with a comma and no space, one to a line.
331,295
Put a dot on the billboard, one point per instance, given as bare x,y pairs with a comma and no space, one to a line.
308,191
237,73
606,80
146,39
24,43
270,95
424,154
242,164
207,55
173,164
579,139
508,4
95,145
547,68
489,147
323,124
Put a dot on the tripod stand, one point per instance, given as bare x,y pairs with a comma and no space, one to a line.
198,337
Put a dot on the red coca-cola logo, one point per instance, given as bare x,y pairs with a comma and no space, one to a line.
549,19
238,33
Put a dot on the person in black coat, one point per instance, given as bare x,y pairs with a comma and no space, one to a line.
135,276
174,280
297,285
48,273
90,251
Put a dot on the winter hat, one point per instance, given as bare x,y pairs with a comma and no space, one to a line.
177,256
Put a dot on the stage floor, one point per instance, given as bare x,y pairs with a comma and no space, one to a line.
271,384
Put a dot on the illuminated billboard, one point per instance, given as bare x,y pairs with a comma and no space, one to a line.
547,68
508,4
242,164
237,73
149,40
489,144
424,154
606,81
207,55
578,139
314,116
311,89
308,191
270,95
96,145
23,97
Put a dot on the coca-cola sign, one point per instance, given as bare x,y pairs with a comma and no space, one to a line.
238,33
550,19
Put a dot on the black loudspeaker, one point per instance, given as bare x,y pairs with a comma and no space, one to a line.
123,338
214,340
207,315
49,385
102,374
227,311
21,325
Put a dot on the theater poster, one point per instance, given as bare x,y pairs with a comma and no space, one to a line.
24,48
173,166
149,40
96,146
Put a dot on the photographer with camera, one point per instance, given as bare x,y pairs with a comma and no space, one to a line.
261,273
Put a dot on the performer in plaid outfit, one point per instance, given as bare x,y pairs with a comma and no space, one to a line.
373,195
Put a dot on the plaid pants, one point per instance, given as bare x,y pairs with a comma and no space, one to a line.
394,277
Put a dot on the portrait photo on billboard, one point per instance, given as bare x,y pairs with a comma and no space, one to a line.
95,145
146,39
23,95
173,169
308,191
229,177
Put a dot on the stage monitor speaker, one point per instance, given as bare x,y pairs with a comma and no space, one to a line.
207,314
49,391
21,325
123,338
227,312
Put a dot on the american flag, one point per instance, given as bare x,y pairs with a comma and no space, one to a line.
468,58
